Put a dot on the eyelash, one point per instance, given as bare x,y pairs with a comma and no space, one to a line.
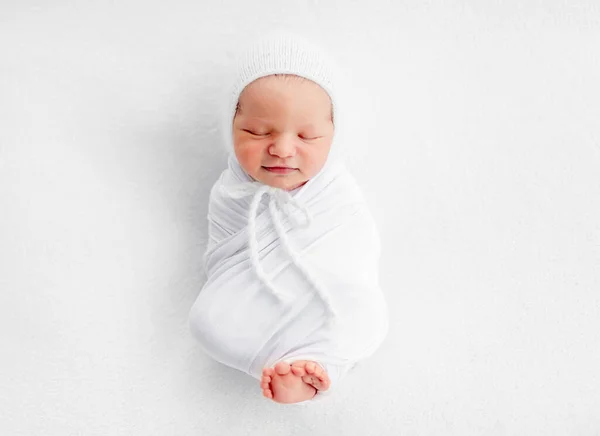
252,133
265,134
309,139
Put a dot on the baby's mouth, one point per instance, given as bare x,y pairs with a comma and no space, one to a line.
280,170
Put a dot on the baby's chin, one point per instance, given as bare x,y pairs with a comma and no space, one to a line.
286,186
286,182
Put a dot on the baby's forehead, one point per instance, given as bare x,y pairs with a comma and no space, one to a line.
265,96
301,119
281,82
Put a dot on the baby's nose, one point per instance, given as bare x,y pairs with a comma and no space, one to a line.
283,146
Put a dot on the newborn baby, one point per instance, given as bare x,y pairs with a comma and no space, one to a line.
292,296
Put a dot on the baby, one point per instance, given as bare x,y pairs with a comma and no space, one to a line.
292,296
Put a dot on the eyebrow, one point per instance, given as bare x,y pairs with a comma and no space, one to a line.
255,118
265,120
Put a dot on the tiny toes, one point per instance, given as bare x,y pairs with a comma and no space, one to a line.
267,393
310,367
282,368
315,376
299,371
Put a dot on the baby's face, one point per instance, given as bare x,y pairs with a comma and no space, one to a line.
283,122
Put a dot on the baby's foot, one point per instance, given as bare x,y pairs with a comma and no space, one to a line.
312,374
283,386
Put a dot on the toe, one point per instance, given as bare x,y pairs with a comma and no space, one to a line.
267,393
282,368
316,376
319,372
298,370
266,379
268,372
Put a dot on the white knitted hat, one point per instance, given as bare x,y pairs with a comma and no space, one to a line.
283,52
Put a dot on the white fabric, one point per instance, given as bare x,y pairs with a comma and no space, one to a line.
291,276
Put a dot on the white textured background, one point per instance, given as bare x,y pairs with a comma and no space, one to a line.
480,122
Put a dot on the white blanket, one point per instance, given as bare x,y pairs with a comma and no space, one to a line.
291,275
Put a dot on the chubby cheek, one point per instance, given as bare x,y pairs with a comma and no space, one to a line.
313,162
249,154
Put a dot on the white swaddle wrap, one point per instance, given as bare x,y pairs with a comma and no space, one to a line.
290,275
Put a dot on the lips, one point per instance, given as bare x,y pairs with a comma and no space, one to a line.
280,170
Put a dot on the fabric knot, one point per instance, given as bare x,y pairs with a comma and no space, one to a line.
285,202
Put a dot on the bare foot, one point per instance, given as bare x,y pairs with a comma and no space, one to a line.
312,374
283,386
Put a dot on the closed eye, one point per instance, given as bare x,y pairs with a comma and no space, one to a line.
254,133
309,139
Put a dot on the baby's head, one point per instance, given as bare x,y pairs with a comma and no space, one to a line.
283,120
282,111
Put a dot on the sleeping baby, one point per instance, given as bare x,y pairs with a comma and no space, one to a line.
292,296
